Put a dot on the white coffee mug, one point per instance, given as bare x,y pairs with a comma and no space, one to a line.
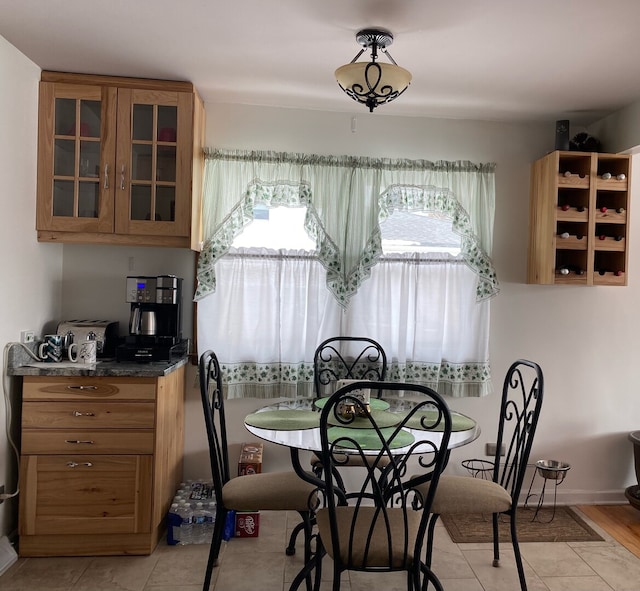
83,352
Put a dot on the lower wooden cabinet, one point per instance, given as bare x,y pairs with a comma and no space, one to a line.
76,495
100,462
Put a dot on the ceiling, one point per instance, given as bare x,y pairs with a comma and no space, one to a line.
506,60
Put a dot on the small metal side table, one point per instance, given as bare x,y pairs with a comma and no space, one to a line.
548,470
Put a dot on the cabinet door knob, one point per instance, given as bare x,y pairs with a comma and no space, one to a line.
82,387
106,176
83,414
79,441
122,178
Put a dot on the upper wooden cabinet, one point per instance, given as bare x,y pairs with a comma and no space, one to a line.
579,219
119,161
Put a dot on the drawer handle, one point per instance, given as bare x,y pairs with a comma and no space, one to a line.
76,464
82,387
78,441
83,414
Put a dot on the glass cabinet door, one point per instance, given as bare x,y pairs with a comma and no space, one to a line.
74,159
152,130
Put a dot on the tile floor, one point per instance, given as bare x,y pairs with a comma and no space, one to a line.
261,565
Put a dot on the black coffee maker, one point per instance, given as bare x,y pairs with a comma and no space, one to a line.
155,322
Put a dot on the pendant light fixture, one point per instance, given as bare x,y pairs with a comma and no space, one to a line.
373,83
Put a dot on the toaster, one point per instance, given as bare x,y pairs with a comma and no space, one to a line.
104,332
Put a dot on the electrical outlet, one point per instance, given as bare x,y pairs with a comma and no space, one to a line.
27,336
490,449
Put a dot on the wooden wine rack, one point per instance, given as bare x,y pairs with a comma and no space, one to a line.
579,219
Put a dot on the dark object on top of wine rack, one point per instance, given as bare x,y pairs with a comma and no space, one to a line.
583,142
562,134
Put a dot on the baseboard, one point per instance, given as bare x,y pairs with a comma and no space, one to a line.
7,554
578,497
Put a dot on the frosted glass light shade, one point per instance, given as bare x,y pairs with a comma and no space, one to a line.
373,83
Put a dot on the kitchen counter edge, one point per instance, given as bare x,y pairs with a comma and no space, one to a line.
18,365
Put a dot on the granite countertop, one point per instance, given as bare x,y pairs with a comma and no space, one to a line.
20,363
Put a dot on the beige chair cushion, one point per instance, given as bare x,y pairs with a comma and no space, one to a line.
464,494
378,552
270,491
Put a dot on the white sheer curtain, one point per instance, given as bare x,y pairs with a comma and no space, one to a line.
265,312
271,310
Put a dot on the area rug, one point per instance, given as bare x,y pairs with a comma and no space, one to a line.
566,526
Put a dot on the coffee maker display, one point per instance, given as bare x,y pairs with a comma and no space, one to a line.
155,327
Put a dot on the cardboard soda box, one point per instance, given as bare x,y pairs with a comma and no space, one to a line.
250,461
247,524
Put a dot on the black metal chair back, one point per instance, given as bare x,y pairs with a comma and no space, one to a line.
381,526
522,393
347,358
213,407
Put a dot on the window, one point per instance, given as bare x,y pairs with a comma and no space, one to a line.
291,259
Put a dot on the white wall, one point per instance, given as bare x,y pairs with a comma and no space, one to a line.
620,131
31,272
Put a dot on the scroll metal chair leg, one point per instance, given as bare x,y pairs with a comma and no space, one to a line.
291,548
496,540
314,561
214,551
516,551
429,575
431,528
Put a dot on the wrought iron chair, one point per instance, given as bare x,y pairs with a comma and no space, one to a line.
519,412
347,358
381,525
342,358
270,491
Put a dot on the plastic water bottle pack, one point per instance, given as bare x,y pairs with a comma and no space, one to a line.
192,515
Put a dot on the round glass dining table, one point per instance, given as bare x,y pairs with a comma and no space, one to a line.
295,423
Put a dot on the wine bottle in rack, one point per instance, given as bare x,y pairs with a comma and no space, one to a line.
568,269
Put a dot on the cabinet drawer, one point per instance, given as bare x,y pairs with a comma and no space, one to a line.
71,494
88,387
52,441
86,414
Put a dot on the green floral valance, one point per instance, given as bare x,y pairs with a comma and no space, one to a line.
346,199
